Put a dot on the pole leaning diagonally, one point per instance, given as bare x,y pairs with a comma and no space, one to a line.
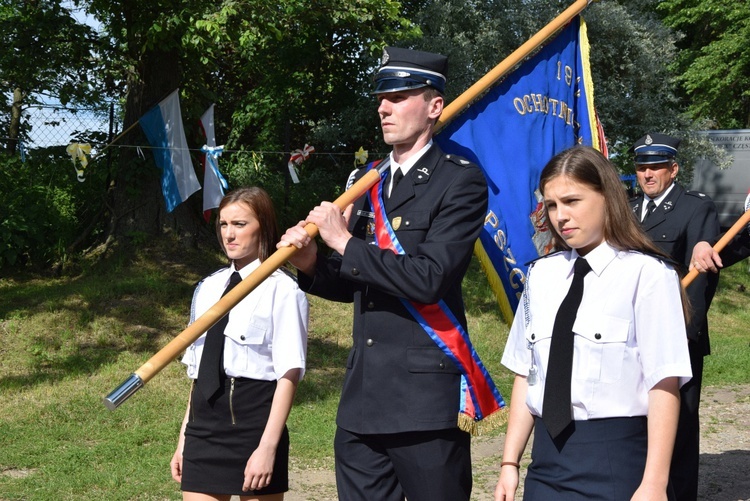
184,339
738,226
173,349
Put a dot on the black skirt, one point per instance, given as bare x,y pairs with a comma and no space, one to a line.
600,460
221,435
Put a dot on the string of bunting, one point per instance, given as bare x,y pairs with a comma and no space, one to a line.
360,155
296,157
81,156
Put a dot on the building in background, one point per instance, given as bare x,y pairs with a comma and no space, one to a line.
727,187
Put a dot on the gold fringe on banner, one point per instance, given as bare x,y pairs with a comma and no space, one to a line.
489,423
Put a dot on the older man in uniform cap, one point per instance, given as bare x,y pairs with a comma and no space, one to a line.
397,434
676,220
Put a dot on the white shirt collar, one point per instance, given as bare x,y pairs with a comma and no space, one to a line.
406,166
598,258
245,271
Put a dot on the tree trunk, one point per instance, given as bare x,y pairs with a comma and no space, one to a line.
138,204
15,121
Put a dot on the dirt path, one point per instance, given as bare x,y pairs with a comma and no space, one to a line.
724,462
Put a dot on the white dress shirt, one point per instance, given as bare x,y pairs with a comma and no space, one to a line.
266,335
629,331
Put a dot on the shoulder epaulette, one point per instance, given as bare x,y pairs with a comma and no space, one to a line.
698,194
458,160
288,273
664,259
218,271
212,274
543,257
357,173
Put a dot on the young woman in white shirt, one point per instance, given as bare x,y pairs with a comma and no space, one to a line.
235,441
630,351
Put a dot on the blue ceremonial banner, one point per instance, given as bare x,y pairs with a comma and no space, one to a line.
544,107
162,126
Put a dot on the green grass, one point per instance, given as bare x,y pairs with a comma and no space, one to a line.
729,324
67,342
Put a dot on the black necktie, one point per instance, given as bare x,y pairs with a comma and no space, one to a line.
556,411
650,208
397,177
211,370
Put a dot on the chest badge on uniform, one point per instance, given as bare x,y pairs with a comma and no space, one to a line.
370,228
396,223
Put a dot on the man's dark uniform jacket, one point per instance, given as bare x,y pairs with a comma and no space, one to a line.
397,379
737,249
683,219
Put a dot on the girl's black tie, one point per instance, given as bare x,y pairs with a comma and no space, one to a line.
556,409
211,370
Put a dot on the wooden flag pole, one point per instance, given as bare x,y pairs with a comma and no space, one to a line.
172,350
184,339
738,226
98,154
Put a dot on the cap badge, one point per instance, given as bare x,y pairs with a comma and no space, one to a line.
648,139
386,57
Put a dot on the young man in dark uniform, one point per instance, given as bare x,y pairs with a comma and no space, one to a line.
397,432
676,220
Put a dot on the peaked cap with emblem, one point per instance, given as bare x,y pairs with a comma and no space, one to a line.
404,69
655,149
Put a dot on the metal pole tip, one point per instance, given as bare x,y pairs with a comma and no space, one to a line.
123,392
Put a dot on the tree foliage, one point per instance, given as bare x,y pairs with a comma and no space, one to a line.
47,50
286,73
281,73
714,60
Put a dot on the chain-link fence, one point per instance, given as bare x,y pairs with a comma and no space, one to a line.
46,125
53,126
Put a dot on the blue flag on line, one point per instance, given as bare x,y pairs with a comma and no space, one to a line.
162,125
544,107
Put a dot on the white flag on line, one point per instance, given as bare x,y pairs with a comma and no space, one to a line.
214,183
